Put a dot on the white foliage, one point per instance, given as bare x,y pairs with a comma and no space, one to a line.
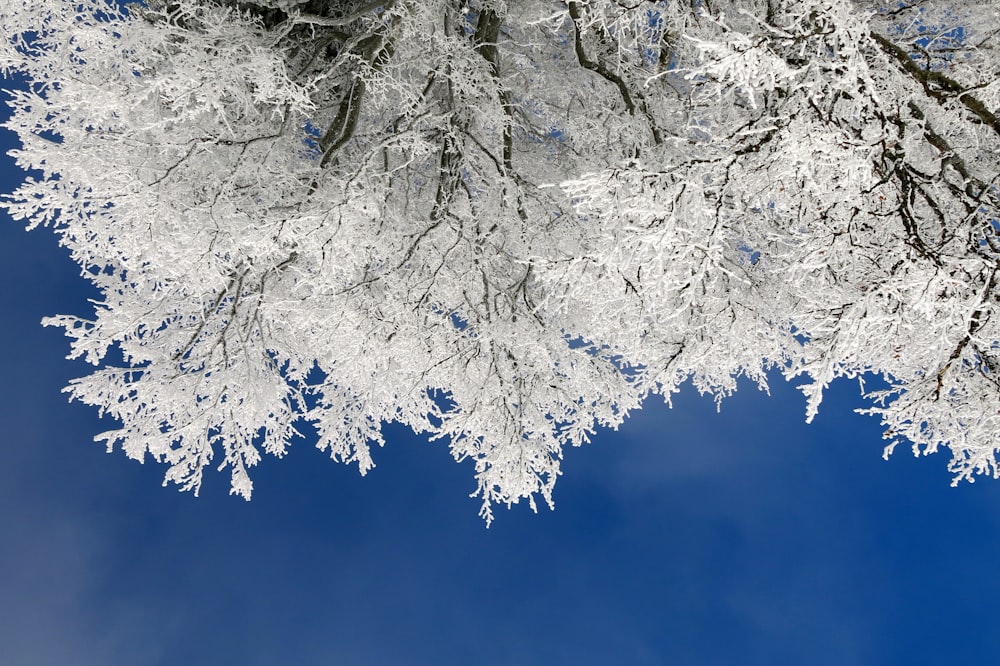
506,224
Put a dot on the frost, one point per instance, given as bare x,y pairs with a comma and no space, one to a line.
506,225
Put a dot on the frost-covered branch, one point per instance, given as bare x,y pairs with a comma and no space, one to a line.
507,224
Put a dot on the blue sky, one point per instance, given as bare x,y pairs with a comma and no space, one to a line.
688,537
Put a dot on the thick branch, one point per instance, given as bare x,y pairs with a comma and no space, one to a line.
487,34
596,67
340,21
343,125
342,128
936,84
608,75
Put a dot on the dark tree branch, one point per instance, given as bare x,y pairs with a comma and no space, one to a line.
936,84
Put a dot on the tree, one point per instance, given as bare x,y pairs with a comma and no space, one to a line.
506,223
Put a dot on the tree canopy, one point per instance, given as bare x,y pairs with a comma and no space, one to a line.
506,223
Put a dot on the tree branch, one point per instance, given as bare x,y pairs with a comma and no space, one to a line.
946,86
340,21
596,67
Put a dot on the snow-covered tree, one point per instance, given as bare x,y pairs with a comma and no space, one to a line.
507,222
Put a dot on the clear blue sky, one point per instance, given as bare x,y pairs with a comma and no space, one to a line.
689,537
